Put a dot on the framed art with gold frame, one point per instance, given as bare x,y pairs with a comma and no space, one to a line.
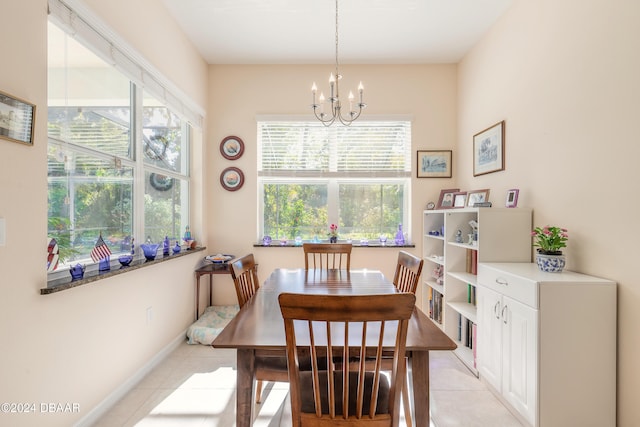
488,150
434,163
17,119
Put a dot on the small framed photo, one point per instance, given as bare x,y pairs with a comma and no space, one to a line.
512,198
231,179
434,163
446,198
488,150
231,148
17,119
477,196
460,199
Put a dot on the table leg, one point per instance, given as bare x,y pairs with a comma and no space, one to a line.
419,362
210,290
197,296
245,391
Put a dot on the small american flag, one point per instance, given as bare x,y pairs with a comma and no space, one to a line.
100,250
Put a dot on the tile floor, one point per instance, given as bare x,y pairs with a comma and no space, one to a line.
195,386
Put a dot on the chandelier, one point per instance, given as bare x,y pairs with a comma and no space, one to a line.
335,107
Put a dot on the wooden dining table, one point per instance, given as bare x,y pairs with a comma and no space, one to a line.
258,329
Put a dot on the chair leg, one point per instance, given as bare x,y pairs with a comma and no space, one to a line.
406,403
259,391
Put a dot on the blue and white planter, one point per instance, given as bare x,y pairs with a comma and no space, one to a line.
550,263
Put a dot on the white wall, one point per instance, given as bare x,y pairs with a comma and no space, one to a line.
238,93
564,76
79,345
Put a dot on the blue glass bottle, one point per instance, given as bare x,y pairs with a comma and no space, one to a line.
399,236
165,246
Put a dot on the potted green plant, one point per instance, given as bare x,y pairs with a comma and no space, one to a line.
550,240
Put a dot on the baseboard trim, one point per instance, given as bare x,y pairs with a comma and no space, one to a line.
103,407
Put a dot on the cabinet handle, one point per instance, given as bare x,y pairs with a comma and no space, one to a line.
496,310
504,318
501,281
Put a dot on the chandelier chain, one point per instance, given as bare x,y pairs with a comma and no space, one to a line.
337,75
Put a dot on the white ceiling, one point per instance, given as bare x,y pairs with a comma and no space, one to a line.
303,31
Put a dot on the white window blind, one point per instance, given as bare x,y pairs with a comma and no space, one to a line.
89,29
366,148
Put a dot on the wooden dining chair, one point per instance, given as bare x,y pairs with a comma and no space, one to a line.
244,272
327,256
358,392
406,279
408,271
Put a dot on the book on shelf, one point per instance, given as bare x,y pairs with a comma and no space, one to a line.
472,261
474,343
471,294
435,305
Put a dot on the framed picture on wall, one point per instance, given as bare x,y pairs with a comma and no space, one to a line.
231,148
231,179
434,163
488,150
17,119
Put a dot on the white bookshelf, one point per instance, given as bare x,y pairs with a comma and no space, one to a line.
503,236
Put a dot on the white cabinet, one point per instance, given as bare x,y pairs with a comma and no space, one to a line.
503,235
507,356
547,343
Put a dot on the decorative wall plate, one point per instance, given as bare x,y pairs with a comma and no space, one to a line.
231,148
231,179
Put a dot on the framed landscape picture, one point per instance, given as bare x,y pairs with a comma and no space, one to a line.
434,163
488,150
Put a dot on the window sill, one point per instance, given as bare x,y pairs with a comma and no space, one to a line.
92,274
355,245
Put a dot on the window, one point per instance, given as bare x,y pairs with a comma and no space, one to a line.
117,155
310,176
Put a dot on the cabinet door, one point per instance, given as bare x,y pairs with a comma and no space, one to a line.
489,345
519,357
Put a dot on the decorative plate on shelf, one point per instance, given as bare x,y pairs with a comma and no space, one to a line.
219,258
232,179
231,148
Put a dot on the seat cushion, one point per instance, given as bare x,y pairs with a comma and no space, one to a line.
308,406
210,324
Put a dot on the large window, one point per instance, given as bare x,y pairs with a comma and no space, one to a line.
310,176
117,158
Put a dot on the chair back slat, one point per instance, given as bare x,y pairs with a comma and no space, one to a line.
407,273
244,272
354,328
327,256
